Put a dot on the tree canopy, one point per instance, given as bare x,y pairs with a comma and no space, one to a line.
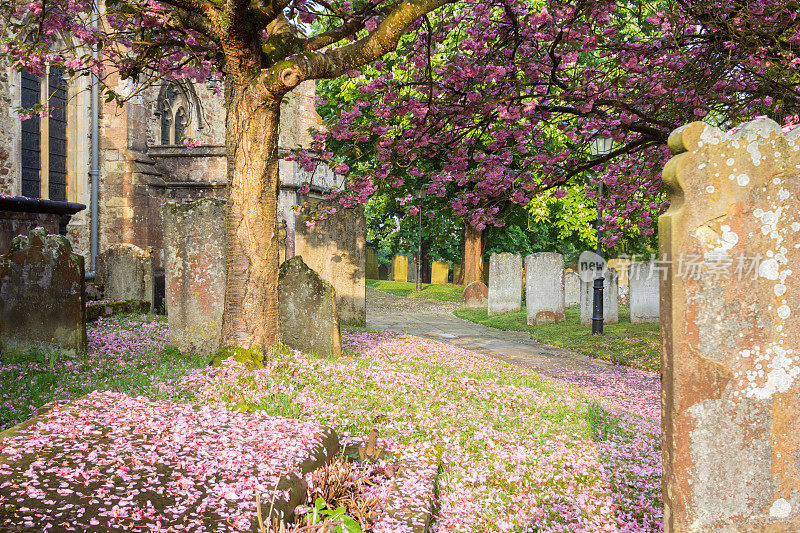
491,103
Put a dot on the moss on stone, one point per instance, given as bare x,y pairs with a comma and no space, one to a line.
252,359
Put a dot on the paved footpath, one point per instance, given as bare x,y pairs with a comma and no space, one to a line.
637,390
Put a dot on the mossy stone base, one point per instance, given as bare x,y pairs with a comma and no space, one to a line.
252,359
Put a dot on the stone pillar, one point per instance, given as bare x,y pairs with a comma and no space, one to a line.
730,322
572,289
126,272
400,268
194,244
440,271
42,302
372,263
505,283
544,288
610,299
644,292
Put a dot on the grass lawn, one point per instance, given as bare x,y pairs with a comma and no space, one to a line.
447,291
125,354
634,345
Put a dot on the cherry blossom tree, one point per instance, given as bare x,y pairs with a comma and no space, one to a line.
506,96
260,50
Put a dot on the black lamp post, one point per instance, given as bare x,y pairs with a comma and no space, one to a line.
599,146
420,195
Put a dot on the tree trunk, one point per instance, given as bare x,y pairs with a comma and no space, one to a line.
250,318
472,265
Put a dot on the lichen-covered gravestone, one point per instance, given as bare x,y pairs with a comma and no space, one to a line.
41,294
194,245
126,272
731,354
643,282
440,271
307,303
610,299
372,263
505,283
475,296
572,289
544,288
400,268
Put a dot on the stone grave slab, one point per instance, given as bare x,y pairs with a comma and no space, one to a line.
307,310
194,246
505,283
42,300
126,272
731,345
643,283
544,288
475,296
107,460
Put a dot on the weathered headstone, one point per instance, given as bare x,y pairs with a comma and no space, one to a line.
126,272
572,289
372,263
42,302
400,268
334,248
412,271
440,271
544,288
194,246
643,283
731,326
475,296
505,283
308,318
610,299
383,272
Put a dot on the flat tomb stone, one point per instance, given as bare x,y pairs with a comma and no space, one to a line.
157,464
505,283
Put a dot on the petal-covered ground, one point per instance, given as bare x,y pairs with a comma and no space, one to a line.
520,452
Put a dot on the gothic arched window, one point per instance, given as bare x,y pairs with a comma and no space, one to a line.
175,110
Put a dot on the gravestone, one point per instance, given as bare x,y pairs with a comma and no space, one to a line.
308,318
572,289
544,288
610,299
383,272
372,263
42,301
400,268
412,271
505,283
731,326
643,283
126,272
475,296
440,271
194,247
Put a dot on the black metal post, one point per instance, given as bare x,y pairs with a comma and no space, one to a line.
419,252
597,304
